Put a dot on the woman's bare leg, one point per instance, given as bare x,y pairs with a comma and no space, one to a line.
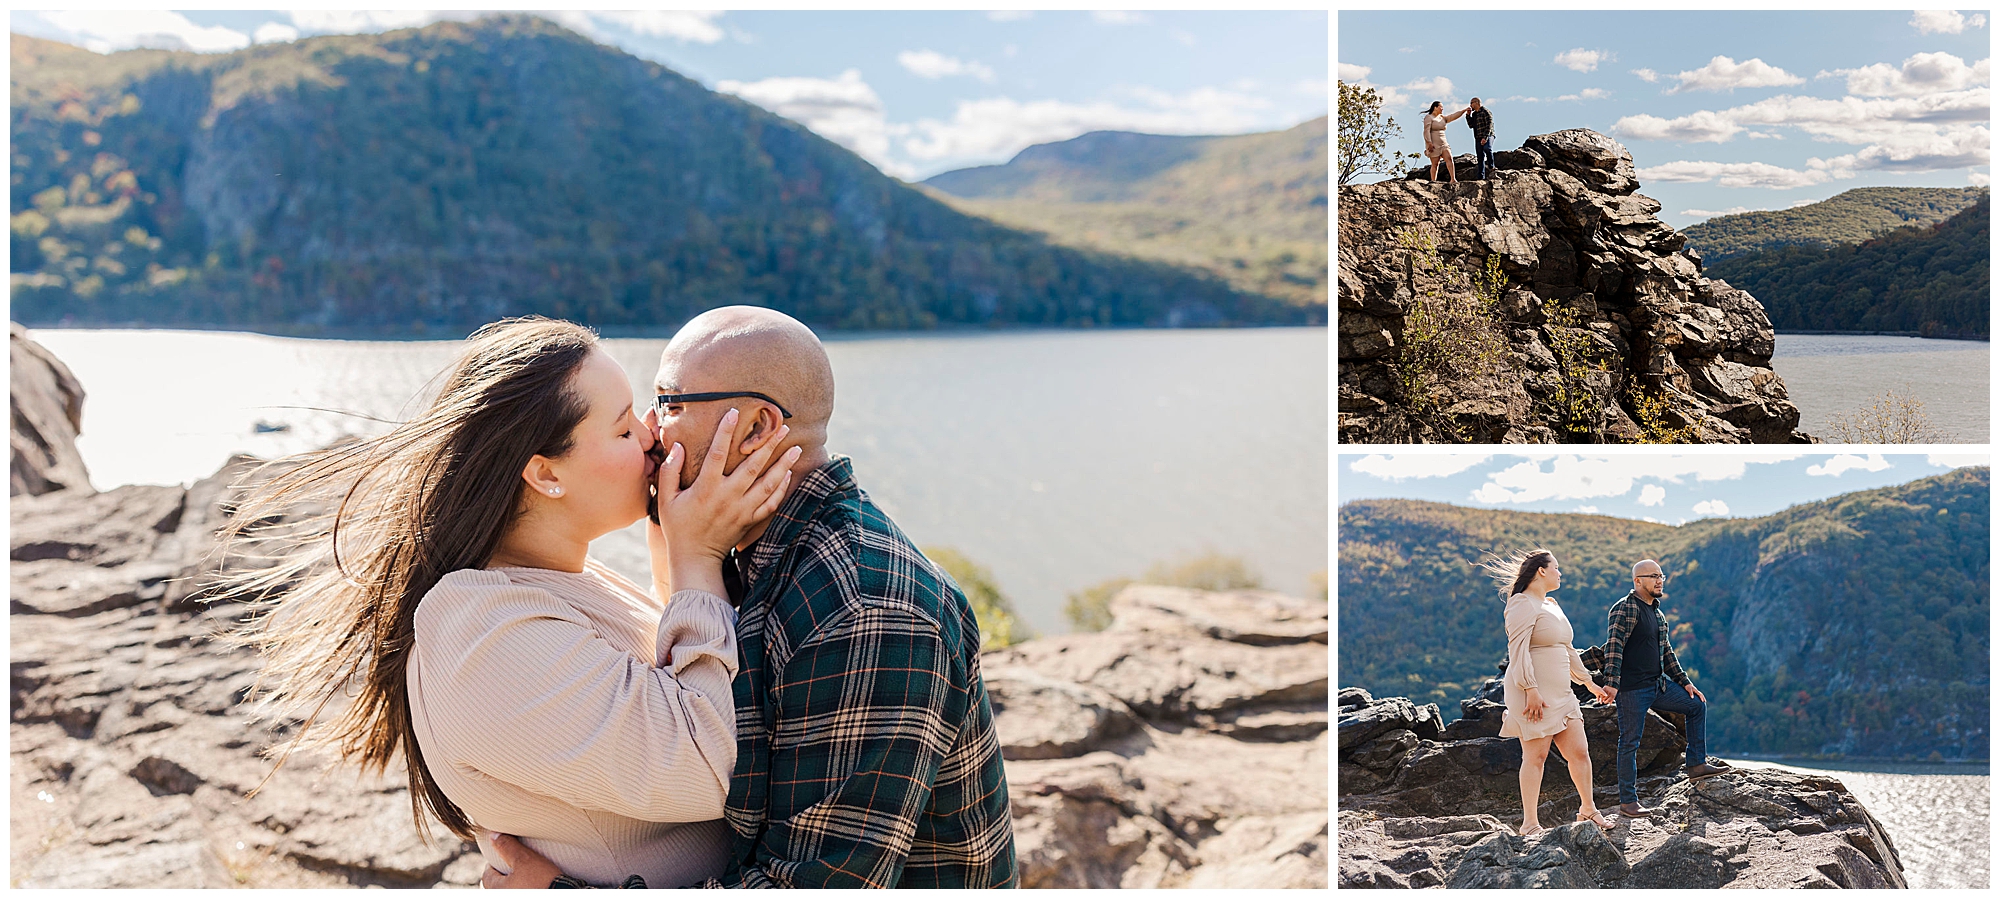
1533,753
1575,748
1434,169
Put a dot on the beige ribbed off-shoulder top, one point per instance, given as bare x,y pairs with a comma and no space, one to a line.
571,710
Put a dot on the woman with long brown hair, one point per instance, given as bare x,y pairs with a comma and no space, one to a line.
444,608
1541,653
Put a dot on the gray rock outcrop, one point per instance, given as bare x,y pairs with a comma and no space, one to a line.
1612,333
1443,813
1184,746
47,405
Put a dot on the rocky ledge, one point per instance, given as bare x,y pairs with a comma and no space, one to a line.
1428,805
1184,746
1605,309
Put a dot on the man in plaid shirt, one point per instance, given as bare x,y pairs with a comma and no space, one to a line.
866,755
1642,673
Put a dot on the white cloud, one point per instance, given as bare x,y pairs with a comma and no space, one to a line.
1001,126
1119,17
1711,507
108,32
1310,87
1587,510
357,21
1736,174
1396,468
1944,21
1702,126
1414,94
1953,460
1835,466
1711,213
934,65
1922,74
1652,495
1647,75
1979,179
696,26
1351,72
1581,60
1725,74
1579,477
844,110
1010,15
274,33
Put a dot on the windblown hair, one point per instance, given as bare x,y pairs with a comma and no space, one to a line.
335,548
1513,573
1436,105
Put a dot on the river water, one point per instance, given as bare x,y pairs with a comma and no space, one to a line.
1835,374
1057,459
1936,814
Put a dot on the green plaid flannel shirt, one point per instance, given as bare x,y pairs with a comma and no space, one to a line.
866,755
1624,617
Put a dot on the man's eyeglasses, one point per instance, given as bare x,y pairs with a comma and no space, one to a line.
664,400
1662,577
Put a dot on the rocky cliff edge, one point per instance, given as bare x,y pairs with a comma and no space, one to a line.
1423,804
1611,332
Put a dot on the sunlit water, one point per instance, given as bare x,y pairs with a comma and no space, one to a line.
1831,375
1936,814
1056,459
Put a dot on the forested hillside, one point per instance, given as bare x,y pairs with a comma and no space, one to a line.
446,176
1249,208
1934,280
1845,218
1852,626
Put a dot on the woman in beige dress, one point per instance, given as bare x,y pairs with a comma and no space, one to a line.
1436,149
1542,661
449,593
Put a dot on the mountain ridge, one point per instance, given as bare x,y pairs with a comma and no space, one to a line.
1848,217
455,173
1250,209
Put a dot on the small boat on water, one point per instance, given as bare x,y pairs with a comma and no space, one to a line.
265,427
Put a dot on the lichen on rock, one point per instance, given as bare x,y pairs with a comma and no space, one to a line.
1611,332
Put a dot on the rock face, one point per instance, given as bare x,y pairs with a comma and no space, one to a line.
1442,812
1591,271
1186,745
47,404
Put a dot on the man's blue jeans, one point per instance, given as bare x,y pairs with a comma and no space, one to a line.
1666,696
1484,149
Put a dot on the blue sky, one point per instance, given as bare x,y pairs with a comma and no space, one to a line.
1723,111
1653,487
916,93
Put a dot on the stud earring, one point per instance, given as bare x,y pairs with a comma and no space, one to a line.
555,491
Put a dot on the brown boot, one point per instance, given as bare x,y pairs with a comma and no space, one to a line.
1697,772
1635,810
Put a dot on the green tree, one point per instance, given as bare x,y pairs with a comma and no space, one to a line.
1365,133
999,624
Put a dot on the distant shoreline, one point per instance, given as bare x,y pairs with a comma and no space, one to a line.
1862,764
1970,337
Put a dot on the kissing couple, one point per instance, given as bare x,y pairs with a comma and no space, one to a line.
796,701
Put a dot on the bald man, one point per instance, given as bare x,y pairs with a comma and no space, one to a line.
1642,674
865,751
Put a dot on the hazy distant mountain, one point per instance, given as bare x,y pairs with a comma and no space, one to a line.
1855,625
453,174
1849,217
1930,279
1250,208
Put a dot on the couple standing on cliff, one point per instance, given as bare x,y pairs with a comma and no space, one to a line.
1640,670
796,701
1437,150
